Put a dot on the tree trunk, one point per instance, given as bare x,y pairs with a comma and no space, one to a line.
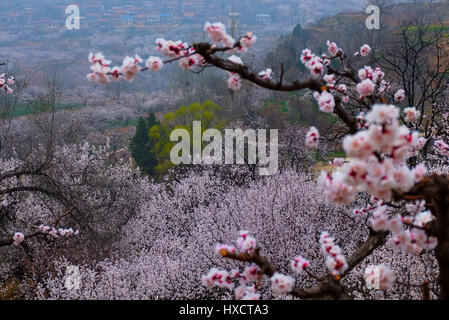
435,190
440,209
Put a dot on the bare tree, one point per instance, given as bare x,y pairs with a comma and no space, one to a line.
416,56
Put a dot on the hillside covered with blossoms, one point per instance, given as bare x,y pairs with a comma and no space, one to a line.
339,188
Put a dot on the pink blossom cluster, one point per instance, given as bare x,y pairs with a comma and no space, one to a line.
246,243
281,284
130,67
58,232
366,88
329,79
342,88
364,51
312,138
18,238
332,48
102,73
219,278
442,147
383,87
154,64
223,249
410,241
335,261
337,190
379,277
299,264
325,100
399,95
369,79
251,273
414,152
337,162
228,280
378,164
266,74
373,204
6,83
172,49
361,121
423,218
414,241
176,50
375,75
217,33
235,81
313,63
98,58
411,114
415,207
244,292
247,41
100,69
363,211
380,221
191,60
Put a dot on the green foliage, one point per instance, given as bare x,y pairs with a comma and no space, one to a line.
142,145
288,51
337,154
293,108
24,109
432,27
159,134
297,31
275,112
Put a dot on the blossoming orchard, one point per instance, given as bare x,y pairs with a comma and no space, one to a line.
379,144
6,82
355,122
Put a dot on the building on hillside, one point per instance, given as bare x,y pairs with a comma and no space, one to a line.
127,19
188,16
264,18
142,18
166,17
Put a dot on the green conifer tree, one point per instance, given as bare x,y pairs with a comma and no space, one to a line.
141,145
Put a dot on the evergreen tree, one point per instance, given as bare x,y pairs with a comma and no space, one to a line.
297,31
142,147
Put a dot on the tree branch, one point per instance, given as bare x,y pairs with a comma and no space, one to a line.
207,52
327,287
10,241
374,241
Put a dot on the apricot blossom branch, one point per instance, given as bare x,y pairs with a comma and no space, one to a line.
42,230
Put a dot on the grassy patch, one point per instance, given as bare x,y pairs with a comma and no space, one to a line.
337,154
24,109
123,123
